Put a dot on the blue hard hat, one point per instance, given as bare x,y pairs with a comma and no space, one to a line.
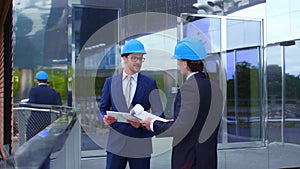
190,49
41,75
133,46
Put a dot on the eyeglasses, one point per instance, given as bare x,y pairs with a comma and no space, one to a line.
135,59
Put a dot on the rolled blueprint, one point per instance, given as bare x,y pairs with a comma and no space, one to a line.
138,112
137,109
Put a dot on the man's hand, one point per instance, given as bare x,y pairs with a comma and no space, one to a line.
108,120
146,123
135,123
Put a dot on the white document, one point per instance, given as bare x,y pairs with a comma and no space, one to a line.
144,115
121,116
136,113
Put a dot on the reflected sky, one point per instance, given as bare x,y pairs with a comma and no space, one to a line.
250,56
291,58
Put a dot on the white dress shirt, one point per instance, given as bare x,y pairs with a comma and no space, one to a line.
133,84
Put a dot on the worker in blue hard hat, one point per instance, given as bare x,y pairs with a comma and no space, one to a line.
41,76
129,141
43,94
37,121
191,108
132,55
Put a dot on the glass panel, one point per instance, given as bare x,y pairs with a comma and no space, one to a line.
243,33
243,80
95,54
247,72
243,106
231,115
274,83
292,94
242,72
208,30
283,122
40,43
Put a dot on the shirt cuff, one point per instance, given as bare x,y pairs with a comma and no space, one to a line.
151,124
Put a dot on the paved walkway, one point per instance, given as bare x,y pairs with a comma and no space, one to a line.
274,156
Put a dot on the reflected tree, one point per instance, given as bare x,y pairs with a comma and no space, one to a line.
247,81
274,79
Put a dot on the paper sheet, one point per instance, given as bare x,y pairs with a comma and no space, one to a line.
121,116
136,113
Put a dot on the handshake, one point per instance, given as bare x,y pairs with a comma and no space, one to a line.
136,117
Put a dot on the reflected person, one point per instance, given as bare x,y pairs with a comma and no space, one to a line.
37,121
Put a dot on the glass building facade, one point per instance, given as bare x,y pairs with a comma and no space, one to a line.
254,61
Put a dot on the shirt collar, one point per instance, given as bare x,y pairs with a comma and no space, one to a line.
191,75
134,76
42,84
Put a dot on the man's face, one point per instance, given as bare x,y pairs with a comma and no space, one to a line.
133,62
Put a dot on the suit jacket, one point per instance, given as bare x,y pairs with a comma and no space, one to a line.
191,111
37,121
124,139
43,94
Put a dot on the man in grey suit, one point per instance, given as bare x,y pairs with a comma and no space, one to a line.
197,112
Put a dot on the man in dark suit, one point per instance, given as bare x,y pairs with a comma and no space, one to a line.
37,121
43,94
129,142
197,112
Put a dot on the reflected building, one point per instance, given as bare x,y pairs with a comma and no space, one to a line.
254,60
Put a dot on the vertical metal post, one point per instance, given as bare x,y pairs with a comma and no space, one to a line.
283,93
236,110
224,80
264,89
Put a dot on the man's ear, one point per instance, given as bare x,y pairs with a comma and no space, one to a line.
185,63
124,59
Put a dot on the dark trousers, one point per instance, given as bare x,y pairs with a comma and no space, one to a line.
114,161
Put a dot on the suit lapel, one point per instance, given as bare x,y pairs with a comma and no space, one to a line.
139,89
118,97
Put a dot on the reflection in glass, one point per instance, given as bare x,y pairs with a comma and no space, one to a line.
93,52
243,101
243,33
283,118
274,83
292,94
208,30
40,43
